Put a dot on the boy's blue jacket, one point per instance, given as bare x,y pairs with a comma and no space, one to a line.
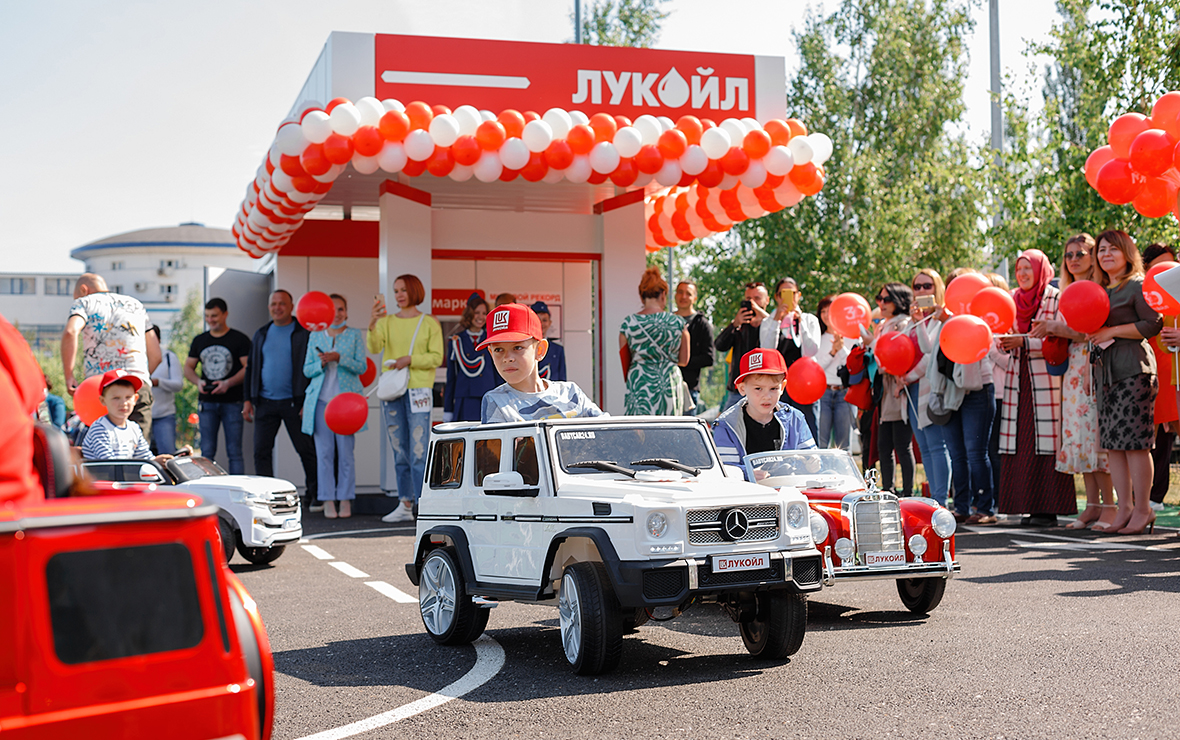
729,432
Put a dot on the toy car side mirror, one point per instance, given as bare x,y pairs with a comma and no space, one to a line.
508,483
149,474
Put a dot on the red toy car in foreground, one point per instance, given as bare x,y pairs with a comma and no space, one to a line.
864,533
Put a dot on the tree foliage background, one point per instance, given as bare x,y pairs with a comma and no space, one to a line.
186,325
622,22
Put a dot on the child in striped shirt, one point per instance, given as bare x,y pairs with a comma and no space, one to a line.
112,437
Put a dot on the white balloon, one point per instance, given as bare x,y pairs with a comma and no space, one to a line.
392,157
345,119
579,170
716,142
821,147
468,118
275,156
694,160
713,204
370,109
788,194
749,203
297,197
330,175
754,176
486,115
728,182
666,123
488,168
735,129
604,157
392,104
537,136
649,129
669,203
779,160
579,118
444,130
643,179
751,124
364,165
669,174
800,147
665,222
316,126
553,176
290,139
514,154
628,141
282,181
462,172
559,121
419,145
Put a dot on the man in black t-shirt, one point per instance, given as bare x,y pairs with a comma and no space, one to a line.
700,340
741,335
223,353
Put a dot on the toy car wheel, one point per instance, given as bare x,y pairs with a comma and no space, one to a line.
590,618
228,538
777,629
261,555
447,611
921,595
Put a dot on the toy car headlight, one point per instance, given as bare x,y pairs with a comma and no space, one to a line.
819,527
845,549
918,545
943,523
796,513
657,524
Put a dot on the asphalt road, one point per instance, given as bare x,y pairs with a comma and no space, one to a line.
1046,633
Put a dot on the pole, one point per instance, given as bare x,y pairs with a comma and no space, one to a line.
577,21
671,280
997,116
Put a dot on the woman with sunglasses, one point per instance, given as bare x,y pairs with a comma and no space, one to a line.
893,429
926,313
1079,450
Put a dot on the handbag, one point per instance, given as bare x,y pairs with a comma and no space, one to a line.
394,382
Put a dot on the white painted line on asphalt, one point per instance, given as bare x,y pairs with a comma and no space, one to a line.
317,552
348,570
1079,545
489,659
343,532
385,589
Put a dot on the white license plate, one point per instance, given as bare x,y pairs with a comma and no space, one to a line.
884,558
730,563
291,524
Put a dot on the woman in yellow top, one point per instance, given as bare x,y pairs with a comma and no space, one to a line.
407,419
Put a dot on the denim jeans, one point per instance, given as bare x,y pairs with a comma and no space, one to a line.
696,403
269,414
227,415
336,463
936,461
164,434
967,437
409,436
835,420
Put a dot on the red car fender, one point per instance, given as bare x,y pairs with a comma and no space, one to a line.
264,670
915,519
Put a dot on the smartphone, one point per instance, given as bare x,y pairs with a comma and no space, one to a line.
786,299
924,301
747,305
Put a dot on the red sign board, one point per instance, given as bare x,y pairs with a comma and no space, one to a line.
495,75
445,302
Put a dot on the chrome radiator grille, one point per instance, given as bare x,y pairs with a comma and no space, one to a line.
283,504
707,526
876,524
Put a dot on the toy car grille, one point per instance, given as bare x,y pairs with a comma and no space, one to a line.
708,579
706,526
876,526
805,572
283,504
664,583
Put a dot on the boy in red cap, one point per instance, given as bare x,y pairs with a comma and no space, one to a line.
517,346
759,422
111,437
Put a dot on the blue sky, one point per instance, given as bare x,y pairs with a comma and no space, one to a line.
124,114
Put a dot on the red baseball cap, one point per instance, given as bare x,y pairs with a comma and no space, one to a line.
112,375
512,322
762,362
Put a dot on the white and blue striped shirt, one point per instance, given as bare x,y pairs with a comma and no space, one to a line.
559,400
105,441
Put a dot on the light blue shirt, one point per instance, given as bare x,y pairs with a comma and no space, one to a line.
276,363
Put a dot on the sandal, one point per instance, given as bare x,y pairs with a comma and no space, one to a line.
1082,522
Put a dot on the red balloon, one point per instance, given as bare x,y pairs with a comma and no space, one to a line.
581,138
1165,114
962,289
806,381
420,115
559,155
333,103
1124,130
194,419
394,125
346,413
338,149
512,121
440,110
87,400
626,173
672,144
507,175
368,141
712,175
536,169
649,160
848,313
1118,183
490,135
467,150
894,353
735,161
965,339
1157,198
441,162
1156,297
315,311
779,131
692,128
370,372
797,127
1084,305
313,160
756,144
621,122
1095,161
604,126
1151,152
803,175
291,166
996,307
816,184
530,116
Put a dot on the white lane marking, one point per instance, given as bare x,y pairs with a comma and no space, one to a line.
341,533
1079,545
489,659
317,552
385,589
348,570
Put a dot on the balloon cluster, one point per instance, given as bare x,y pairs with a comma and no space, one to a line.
754,168
1139,165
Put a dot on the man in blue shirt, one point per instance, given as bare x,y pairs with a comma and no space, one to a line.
275,389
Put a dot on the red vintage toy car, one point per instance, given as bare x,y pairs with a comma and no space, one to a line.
865,533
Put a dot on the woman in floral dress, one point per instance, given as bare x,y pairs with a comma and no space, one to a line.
652,344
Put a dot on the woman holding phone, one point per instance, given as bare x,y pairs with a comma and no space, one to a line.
795,335
926,326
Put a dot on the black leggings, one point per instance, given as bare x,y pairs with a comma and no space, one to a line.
895,436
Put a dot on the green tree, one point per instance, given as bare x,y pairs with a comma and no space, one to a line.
622,22
186,325
49,359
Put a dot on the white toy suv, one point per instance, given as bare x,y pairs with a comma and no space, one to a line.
613,517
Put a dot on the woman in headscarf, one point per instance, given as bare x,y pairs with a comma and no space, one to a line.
1031,416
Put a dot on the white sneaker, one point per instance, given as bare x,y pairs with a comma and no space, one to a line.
1157,506
402,513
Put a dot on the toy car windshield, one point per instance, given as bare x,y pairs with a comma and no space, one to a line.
192,468
805,469
633,448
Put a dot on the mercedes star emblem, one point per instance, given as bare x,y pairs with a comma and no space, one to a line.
736,524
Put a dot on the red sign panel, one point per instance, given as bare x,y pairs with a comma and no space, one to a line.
495,75
446,302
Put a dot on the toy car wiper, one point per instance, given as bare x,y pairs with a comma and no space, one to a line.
608,466
668,464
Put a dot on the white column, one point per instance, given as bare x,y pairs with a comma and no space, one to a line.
623,262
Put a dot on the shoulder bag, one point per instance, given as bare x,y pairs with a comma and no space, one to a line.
393,382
